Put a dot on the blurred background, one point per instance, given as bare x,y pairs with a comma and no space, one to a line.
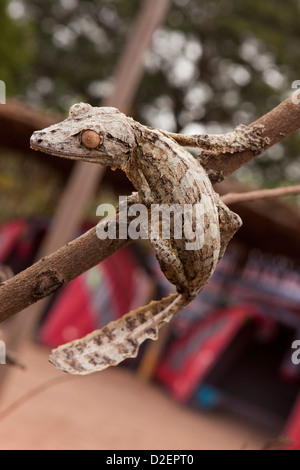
221,376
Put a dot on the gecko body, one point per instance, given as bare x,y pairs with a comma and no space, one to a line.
162,172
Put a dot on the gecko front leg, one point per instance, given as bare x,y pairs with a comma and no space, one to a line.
241,139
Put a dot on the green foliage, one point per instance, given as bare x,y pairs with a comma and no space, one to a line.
214,64
15,50
28,187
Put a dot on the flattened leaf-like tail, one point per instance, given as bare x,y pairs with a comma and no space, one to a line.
118,340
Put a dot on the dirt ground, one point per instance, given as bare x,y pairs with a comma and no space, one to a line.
112,410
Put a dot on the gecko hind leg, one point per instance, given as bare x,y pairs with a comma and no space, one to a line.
170,264
241,139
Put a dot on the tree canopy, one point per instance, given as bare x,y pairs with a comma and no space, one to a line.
213,64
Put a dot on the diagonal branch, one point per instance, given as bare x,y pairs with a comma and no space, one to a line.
54,271
64,265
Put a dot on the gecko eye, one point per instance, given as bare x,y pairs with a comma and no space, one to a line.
91,139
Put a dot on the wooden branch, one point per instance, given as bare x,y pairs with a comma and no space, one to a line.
278,124
54,271
64,265
232,198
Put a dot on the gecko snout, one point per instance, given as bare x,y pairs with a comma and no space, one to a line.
36,140
41,141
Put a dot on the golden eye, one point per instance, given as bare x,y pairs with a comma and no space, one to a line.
91,139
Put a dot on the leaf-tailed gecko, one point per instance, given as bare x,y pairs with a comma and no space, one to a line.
163,172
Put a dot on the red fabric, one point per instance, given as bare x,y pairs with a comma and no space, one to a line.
119,271
97,297
71,318
189,358
9,235
292,428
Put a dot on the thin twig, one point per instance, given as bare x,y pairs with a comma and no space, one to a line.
33,393
232,198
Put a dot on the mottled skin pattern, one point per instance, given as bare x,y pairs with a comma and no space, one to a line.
162,172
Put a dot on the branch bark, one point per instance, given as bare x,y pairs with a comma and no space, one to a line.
54,271
64,265
278,124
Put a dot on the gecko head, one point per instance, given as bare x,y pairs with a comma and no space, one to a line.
98,135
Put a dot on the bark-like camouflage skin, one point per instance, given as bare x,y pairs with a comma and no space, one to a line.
163,172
